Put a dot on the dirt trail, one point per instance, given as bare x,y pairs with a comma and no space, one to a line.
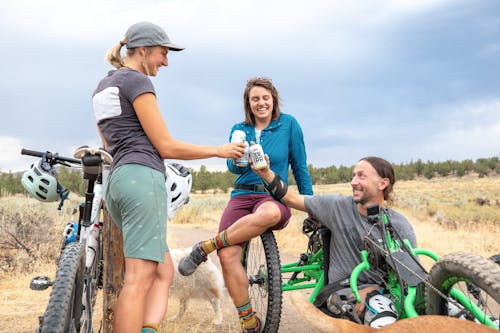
291,321
20,306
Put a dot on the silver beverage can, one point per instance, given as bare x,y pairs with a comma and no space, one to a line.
240,136
257,155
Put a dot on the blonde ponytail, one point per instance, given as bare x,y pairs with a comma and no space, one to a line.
113,56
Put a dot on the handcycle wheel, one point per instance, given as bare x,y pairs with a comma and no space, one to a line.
65,303
262,264
495,258
476,277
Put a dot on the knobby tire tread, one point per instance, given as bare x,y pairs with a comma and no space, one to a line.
274,291
65,302
482,272
495,258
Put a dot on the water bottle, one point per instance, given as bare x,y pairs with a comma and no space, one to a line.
92,243
94,229
96,203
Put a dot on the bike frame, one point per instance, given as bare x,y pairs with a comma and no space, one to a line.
308,273
90,220
391,246
410,296
311,268
94,170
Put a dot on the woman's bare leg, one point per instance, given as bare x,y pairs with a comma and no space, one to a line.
157,297
129,309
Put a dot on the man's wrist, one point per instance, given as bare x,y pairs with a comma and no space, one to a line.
268,175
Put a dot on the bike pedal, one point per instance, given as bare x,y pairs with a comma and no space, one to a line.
40,283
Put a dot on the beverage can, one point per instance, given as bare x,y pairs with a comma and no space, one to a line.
240,136
257,155
243,160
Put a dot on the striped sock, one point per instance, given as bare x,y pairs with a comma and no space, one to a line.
218,242
149,328
248,318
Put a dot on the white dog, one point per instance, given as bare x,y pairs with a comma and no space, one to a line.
206,283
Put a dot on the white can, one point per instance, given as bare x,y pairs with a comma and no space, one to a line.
257,155
240,136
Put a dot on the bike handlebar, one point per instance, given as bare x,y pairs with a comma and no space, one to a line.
51,156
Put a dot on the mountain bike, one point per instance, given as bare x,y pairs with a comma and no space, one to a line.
80,263
460,285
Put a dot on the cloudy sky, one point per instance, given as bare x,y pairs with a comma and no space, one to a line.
404,80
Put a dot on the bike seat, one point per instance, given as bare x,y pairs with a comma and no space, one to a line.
82,151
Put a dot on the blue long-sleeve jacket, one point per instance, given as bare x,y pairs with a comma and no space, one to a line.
283,142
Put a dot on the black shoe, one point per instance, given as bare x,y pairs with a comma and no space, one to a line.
189,263
256,329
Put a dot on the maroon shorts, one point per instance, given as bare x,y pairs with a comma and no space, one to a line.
242,205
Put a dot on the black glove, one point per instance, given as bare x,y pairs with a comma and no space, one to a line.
310,224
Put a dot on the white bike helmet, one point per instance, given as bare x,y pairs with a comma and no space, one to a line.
179,181
40,181
380,310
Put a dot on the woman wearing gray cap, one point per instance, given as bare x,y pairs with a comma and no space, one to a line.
134,132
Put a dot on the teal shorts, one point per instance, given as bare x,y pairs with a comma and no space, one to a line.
136,198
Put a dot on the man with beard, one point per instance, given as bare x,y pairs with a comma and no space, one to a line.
347,218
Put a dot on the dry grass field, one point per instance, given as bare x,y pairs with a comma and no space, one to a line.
443,211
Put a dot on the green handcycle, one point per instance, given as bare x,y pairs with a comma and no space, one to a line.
460,285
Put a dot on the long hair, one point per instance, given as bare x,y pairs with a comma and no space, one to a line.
385,170
266,84
114,57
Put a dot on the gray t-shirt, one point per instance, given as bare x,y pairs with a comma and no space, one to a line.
341,216
118,122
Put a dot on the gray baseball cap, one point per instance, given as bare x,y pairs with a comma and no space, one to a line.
148,34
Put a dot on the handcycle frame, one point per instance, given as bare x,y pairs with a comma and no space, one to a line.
309,267
309,273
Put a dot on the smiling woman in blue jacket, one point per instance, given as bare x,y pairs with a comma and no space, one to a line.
251,210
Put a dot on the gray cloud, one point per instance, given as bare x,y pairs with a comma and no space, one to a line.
404,80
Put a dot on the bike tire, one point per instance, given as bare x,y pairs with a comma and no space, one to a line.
452,270
262,264
65,303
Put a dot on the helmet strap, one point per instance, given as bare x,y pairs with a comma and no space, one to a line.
63,194
45,164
